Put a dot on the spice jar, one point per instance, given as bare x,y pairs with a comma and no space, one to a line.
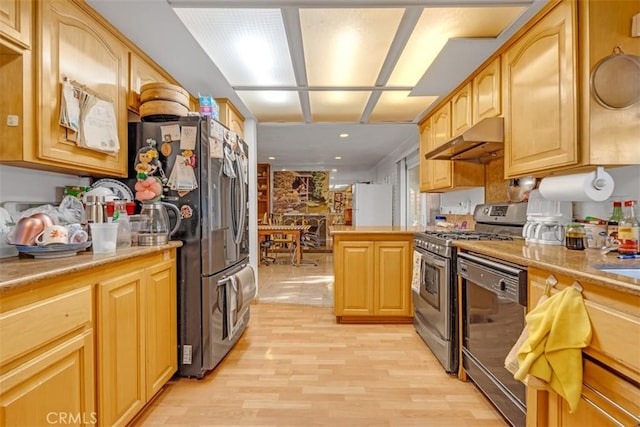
575,237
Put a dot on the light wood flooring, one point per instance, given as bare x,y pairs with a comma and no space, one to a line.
294,366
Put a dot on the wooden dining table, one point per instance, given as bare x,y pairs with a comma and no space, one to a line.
293,230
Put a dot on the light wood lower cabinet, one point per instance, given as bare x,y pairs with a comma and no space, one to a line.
372,278
611,368
121,350
47,358
161,325
137,333
92,347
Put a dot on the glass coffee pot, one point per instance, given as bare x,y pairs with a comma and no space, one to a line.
155,228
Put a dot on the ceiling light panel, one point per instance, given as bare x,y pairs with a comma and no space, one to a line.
398,106
346,47
436,26
273,106
249,46
337,106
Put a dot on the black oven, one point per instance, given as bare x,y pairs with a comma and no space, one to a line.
435,300
494,300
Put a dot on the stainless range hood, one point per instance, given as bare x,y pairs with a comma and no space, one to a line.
481,143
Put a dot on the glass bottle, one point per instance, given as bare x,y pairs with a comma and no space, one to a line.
121,217
628,230
616,217
575,236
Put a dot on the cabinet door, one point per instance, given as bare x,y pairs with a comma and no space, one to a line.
442,169
141,73
161,326
486,92
392,278
15,21
76,46
539,77
121,350
354,271
231,117
461,116
426,172
56,387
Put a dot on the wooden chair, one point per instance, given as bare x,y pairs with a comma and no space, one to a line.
283,241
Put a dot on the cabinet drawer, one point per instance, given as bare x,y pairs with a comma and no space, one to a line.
615,320
26,328
606,400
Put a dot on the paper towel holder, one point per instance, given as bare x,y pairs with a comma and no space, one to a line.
598,182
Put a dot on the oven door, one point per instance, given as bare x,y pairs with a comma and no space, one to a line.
434,316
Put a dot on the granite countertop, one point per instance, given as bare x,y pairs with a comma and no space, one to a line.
392,229
581,265
23,270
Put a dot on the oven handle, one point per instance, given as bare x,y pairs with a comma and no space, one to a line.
426,256
488,263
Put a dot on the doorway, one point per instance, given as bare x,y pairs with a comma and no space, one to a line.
284,283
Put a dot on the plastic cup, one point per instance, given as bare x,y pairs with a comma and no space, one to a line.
104,236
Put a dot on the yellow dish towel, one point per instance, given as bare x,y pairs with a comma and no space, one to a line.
559,329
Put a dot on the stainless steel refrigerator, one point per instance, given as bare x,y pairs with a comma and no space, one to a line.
215,281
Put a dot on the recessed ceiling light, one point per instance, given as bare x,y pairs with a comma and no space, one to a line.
337,157
344,135
271,158
283,169
334,170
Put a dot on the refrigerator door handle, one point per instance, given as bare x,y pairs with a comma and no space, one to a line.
239,181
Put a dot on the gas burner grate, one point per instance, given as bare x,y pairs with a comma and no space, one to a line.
467,235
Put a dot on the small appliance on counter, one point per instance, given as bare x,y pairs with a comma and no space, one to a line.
546,220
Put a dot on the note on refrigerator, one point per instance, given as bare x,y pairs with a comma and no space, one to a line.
188,137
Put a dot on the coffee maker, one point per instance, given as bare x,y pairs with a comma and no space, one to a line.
546,220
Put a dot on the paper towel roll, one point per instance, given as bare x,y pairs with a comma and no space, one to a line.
578,187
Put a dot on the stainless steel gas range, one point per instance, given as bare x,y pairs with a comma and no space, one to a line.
436,298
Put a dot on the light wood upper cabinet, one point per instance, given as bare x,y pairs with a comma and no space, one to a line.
231,117
441,169
15,21
76,46
608,137
486,92
444,175
425,165
461,110
539,88
141,73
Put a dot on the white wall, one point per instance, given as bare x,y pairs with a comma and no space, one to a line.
627,187
28,185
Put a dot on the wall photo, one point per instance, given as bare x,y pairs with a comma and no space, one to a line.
300,192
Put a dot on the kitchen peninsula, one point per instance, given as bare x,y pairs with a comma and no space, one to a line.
100,328
611,368
372,267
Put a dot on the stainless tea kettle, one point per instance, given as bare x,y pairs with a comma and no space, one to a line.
155,227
